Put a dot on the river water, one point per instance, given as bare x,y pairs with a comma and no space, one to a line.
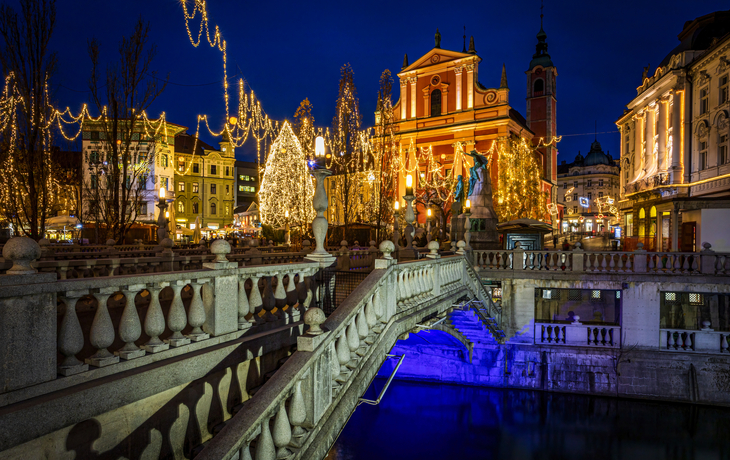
421,421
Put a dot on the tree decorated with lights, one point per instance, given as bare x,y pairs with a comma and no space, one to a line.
286,184
304,127
519,191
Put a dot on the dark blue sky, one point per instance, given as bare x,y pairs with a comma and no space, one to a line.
287,51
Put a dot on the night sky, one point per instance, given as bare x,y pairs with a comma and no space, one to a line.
287,51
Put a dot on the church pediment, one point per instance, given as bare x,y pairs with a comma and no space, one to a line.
437,56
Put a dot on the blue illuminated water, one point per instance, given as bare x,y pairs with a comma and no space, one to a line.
434,421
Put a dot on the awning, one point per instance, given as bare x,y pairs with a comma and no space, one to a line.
59,222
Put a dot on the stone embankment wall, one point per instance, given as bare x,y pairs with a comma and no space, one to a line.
632,373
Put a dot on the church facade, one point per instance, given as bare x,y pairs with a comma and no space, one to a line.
444,109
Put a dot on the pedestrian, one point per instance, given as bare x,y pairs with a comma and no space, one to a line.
566,245
555,241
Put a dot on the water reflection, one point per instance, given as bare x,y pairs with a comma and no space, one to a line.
435,421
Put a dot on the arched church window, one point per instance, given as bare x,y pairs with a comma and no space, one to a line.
436,103
539,87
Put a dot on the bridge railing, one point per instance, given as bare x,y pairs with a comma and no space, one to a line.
705,262
285,415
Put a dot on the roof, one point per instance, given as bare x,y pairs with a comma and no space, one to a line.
699,33
185,142
596,156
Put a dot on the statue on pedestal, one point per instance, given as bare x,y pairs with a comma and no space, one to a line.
482,216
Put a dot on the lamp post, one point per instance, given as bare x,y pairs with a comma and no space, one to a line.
162,219
467,225
319,224
428,226
410,217
396,228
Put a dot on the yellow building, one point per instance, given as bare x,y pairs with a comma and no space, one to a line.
204,184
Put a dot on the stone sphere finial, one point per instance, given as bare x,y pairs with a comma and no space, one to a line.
707,246
313,318
167,243
220,248
387,247
433,246
343,243
110,242
21,250
44,242
518,245
372,243
461,245
638,246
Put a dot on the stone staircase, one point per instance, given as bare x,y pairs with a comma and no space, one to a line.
467,322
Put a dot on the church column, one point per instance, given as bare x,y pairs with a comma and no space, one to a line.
649,137
444,99
404,99
470,86
676,136
412,81
426,101
674,222
662,132
458,72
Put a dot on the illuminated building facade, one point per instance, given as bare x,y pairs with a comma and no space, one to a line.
204,183
443,104
675,179
588,188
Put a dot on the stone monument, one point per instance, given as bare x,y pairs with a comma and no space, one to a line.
482,217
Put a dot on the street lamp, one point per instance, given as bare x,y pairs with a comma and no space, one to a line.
467,225
319,224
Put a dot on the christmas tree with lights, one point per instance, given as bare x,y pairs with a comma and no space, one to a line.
286,184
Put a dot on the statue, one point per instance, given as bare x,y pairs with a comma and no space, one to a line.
459,192
438,39
645,73
480,161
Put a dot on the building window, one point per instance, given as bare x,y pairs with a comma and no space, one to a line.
212,189
436,103
575,184
93,182
688,310
703,154
228,189
195,187
213,170
575,209
212,209
723,89
600,182
228,170
164,161
142,209
227,209
241,177
575,197
722,150
630,224
589,183
565,186
143,181
539,87
600,194
240,188
181,165
590,195
704,101
94,157
195,208
180,207
627,143
181,186
165,182
196,168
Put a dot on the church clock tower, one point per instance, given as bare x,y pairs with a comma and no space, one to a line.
541,108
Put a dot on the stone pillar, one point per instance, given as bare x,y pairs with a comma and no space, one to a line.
638,146
27,319
640,259
675,161
426,101
458,71
412,81
578,253
220,296
444,99
469,86
649,138
662,132
403,99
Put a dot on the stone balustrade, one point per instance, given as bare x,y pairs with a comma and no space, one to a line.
700,341
705,262
290,411
579,335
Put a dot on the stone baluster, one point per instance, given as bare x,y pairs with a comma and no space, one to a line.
723,343
269,300
334,363
130,328
604,265
292,298
176,317
620,258
588,267
370,315
677,266
71,337
196,314
102,331
362,325
265,448
685,264
280,295
297,409
353,339
154,322
695,267
343,353
255,301
244,453
243,307
282,432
